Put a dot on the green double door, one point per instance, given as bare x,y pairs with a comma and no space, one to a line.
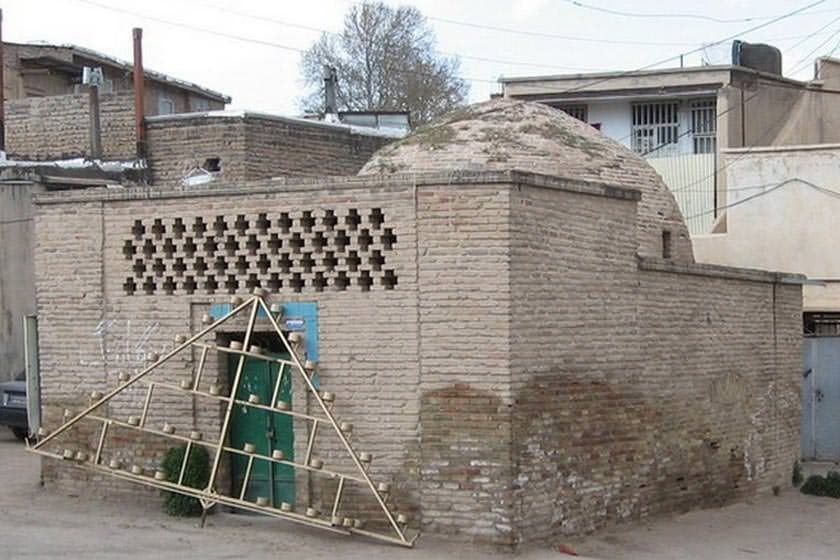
266,430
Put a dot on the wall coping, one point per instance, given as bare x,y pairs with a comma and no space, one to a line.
830,147
208,117
719,271
298,184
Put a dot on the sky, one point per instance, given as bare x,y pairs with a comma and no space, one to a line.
250,49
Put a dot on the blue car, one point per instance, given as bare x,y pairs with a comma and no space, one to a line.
13,406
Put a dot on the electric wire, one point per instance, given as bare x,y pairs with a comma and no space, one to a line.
673,15
469,79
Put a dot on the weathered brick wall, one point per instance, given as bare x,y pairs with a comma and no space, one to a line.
510,363
177,146
368,332
254,147
640,391
574,339
465,415
58,127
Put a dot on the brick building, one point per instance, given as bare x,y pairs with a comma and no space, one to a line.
506,304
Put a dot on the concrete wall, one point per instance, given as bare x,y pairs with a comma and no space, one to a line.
58,127
789,227
513,367
17,278
254,147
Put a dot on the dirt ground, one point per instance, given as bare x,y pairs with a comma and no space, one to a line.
39,524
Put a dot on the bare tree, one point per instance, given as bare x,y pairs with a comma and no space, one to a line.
385,61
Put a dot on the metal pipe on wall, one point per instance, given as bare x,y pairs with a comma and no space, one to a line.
139,93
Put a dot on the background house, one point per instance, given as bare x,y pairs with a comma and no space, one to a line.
680,119
183,138
782,212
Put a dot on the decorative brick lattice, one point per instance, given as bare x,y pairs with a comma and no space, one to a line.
313,250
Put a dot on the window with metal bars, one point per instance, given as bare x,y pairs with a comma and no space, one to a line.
654,125
577,111
704,125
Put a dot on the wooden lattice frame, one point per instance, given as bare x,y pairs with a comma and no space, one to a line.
210,496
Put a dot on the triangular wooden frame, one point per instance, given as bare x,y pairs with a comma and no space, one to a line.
209,495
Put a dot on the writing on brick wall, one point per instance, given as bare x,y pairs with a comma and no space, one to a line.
122,342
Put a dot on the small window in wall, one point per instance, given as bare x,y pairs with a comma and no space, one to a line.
654,126
166,105
704,125
821,323
199,105
577,111
666,244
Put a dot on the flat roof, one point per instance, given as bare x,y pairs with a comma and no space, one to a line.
384,132
695,75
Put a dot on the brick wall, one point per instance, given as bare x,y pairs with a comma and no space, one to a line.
58,127
640,390
513,367
254,147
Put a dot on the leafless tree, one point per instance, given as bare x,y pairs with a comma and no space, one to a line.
385,60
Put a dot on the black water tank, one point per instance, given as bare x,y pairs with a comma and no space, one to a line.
758,56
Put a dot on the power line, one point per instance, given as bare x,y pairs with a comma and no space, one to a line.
807,58
672,15
469,79
677,57
444,53
824,190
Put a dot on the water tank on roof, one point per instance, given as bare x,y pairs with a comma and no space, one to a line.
758,56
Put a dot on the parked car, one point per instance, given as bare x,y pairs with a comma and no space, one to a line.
13,406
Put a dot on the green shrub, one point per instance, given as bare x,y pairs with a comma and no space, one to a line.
196,475
797,478
828,485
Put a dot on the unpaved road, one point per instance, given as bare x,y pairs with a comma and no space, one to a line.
39,524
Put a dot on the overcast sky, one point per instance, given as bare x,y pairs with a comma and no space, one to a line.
262,75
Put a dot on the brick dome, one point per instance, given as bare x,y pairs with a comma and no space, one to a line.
505,134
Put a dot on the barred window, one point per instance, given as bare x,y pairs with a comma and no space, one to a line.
654,125
704,125
577,111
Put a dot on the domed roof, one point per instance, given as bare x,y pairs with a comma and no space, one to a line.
505,134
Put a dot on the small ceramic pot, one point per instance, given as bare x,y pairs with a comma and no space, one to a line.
278,454
249,448
261,293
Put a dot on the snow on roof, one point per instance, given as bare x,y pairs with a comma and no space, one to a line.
151,74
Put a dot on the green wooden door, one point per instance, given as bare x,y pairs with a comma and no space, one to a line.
266,430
